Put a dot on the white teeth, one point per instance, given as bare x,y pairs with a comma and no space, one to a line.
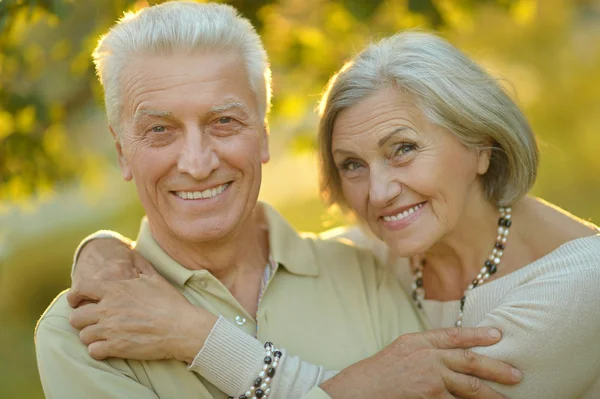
208,193
404,214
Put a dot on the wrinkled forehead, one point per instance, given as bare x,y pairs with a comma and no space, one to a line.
385,111
213,79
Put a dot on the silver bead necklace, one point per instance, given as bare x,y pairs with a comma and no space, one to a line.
490,267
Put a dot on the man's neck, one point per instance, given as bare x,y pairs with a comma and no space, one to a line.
229,259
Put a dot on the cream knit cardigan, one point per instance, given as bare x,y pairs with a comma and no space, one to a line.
548,311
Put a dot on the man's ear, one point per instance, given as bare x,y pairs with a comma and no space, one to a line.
484,155
265,156
125,169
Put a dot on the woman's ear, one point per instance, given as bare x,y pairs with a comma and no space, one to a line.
484,155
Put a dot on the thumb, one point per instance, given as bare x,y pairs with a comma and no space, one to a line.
93,290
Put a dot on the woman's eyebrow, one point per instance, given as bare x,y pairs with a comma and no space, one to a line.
391,134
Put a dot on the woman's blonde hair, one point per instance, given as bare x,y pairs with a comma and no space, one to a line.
453,92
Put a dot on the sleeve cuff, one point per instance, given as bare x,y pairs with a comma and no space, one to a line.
93,236
230,359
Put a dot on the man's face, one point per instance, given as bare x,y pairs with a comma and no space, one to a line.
193,141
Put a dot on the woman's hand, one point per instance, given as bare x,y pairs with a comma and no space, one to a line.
143,318
107,259
435,364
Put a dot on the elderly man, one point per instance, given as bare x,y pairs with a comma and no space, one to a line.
187,91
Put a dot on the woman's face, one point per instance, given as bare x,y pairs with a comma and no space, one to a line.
408,179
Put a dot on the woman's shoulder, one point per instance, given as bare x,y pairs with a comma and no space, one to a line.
577,259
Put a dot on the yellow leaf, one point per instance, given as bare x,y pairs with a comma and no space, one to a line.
54,141
7,124
60,50
524,11
25,119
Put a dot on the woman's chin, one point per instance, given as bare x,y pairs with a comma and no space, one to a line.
406,247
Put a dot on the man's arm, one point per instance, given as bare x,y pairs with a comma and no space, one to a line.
68,372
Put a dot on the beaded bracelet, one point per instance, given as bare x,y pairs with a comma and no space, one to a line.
261,387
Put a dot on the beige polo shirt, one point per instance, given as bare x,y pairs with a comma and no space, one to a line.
328,302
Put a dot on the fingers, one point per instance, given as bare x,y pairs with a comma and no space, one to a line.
99,350
466,386
143,265
93,290
91,333
84,316
74,300
462,337
468,362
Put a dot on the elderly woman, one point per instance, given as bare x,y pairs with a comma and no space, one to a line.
430,154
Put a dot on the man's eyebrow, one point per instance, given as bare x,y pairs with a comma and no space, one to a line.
388,136
151,112
217,109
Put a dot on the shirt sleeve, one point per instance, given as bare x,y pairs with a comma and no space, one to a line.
550,332
68,372
231,359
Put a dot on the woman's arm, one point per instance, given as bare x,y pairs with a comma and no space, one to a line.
231,360
550,326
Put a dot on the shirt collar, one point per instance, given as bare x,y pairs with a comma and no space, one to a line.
174,272
294,251
291,250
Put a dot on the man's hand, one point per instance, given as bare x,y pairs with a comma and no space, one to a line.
144,318
434,365
106,259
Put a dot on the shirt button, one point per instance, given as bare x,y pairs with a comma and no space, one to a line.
202,284
240,321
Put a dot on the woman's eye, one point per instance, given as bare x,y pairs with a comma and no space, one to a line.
404,149
350,166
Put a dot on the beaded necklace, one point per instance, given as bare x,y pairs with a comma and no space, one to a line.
490,267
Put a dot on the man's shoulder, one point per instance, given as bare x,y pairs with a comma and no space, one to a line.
326,245
57,315
340,255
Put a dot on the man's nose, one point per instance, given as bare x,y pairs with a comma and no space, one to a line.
198,157
383,186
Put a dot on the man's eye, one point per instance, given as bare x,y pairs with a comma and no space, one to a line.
158,129
225,120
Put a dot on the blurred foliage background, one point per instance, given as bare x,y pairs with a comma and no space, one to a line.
58,175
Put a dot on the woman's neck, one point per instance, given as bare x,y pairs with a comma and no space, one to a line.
453,262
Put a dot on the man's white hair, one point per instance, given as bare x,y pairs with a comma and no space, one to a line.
179,27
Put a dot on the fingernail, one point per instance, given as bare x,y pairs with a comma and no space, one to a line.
494,333
517,373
